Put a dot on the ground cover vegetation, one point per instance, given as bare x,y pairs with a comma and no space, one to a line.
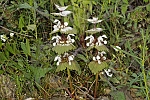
74,49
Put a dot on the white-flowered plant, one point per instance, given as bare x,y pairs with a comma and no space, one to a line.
63,43
62,11
97,42
3,38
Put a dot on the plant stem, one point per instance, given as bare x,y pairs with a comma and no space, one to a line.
70,81
143,63
96,85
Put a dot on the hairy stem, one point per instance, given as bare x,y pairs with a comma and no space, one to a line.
96,85
70,81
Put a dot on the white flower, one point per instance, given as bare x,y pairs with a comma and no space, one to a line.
90,43
69,40
94,30
63,13
97,58
61,8
62,27
65,55
108,72
3,38
65,29
58,59
117,48
94,20
100,56
57,40
11,35
70,58
102,53
100,40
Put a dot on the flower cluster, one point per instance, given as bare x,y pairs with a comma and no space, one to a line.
4,37
63,42
99,57
61,27
100,40
66,57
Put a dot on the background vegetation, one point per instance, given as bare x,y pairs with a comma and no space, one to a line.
27,67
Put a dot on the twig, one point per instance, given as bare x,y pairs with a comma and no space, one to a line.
15,32
86,93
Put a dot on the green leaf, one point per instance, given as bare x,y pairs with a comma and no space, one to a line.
23,46
62,67
148,7
62,49
3,57
21,22
89,48
124,8
0,44
145,0
28,47
125,1
25,6
31,27
95,67
101,48
74,66
82,57
118,95
38,72
9,48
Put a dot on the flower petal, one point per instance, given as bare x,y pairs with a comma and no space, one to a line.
61,8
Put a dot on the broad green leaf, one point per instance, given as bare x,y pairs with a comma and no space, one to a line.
39,72
74,66
62,49
25,5
31,27
62,67
118,95
101,48
95,67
